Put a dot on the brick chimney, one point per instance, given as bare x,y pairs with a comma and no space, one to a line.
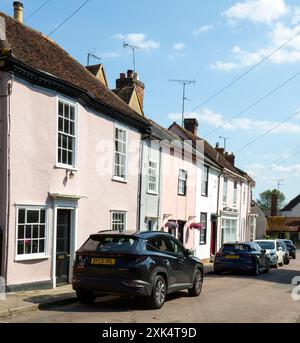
132,79
18,11
230,158
219,149
191,125
274,203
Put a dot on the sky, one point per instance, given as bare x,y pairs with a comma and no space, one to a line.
212,43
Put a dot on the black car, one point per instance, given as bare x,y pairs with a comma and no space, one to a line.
291,247
149,264
242,257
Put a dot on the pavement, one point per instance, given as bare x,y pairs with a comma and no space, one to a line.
21,303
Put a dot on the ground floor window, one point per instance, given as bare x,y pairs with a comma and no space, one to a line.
118,221
203,231
31,232
151,224
229,229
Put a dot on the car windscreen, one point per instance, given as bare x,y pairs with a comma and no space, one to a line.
109,244
288,243
266,245
235,247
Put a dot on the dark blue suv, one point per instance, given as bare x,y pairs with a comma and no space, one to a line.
148,264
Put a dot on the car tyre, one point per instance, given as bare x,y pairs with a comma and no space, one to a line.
159,292
267,269
286,260
255,270
85,297
294,256
195,291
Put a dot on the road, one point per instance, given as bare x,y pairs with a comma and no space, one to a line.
226,298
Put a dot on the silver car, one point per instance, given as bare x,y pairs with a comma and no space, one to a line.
274,249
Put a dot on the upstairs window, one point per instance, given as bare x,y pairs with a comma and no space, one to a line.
120,164
204,184
235,193
152,177
182,182
66,140
225,188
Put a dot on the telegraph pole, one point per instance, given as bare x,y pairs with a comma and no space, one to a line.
184,84
279,183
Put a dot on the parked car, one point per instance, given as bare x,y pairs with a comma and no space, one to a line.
274,250
286,257
242,257
291,247
149,264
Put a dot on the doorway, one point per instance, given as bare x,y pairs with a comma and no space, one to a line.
63,245
213,241
181,230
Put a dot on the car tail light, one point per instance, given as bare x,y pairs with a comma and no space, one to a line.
80,261
219,254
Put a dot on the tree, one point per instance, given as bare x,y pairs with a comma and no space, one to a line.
265,199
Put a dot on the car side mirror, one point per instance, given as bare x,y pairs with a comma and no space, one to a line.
263,251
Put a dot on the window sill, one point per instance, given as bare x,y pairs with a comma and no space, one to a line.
152,193
31,257
204,195
65,166
181,195
118,179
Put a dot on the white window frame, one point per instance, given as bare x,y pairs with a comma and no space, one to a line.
205,172
36,256
75,157
115,177
118,212
235,193
155,191
225,194
182,179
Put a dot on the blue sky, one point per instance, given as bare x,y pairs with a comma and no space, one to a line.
211,42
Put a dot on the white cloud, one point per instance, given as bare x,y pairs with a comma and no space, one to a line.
263,11
179,46
216,120
138,39
261,171
202,29
279,35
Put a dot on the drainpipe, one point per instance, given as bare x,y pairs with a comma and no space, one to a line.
8,123
159,186
139,197
218,210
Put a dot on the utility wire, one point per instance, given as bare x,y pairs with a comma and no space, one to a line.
279,161
254,104
245,73
69,17
34,12
268,131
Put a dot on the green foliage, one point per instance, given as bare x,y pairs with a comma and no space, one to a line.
265,199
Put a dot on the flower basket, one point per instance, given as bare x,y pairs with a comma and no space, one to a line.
171,225
196,226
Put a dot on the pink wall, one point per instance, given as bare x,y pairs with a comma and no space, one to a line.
180,207
33,158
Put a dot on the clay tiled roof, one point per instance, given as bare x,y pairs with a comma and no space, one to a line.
212,153
124,93
37,51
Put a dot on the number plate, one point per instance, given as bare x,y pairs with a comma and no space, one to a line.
106,261
233,257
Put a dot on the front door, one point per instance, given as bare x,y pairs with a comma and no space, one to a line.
181,231
213,242
63,252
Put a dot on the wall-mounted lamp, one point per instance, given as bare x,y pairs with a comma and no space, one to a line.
70,174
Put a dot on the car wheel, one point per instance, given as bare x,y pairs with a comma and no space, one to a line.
157,299
286,260
294,257
255,270
267,269
85,297
197,285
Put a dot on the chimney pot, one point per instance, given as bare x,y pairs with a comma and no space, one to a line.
18,11
191,125
122,76
130,74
